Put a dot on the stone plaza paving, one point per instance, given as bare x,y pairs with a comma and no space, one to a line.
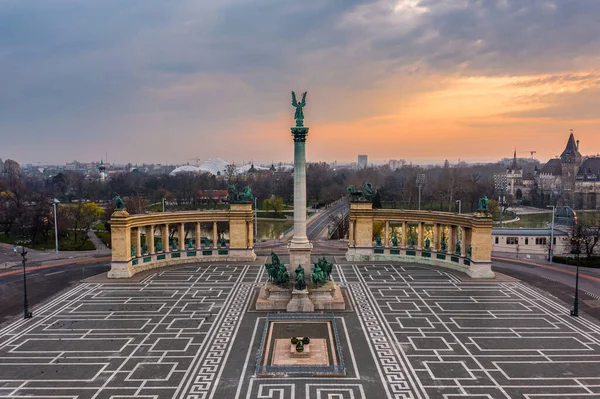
411,332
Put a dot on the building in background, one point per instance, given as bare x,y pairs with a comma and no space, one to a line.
396,163
362,161
571,178
529,243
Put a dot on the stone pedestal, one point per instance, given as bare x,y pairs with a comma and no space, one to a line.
294,353
300,302
299,255
273,297
327,297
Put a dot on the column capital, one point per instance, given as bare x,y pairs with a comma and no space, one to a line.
299,133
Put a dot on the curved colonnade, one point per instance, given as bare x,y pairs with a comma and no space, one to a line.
129,256
473,230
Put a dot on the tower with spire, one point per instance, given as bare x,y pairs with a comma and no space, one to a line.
514,177
571,161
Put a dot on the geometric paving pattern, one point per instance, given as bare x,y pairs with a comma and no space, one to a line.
189,332
478,340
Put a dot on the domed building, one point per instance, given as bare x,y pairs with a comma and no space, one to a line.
565,216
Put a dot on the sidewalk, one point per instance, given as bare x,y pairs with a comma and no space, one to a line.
545,263
9,259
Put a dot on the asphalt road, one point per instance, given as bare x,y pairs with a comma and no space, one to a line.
558,280
322,219
42,284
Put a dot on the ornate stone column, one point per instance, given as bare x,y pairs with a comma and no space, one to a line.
299,248
197,236
420,235
387,234
138,242
150,239
351,233
215,235
165,238
181,237
451,239
436,237
404,234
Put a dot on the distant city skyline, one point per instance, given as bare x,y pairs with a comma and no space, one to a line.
425,81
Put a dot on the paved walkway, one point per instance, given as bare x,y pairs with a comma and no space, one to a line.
410,332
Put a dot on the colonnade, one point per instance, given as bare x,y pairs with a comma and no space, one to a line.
129,256
182,244
439,232
473,231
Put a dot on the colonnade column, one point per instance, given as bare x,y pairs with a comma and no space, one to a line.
436,237
451,242
387,233
404,234
165,238
150,239
215,235
197,236
138,242
351,233
420,235
468,237
181,237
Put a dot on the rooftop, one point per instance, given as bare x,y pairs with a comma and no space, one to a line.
527,232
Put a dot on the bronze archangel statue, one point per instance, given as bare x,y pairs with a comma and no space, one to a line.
299,115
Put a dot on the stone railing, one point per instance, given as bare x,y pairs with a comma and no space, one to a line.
472,255
129,256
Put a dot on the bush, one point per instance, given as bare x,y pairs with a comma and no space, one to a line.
64,243
593,261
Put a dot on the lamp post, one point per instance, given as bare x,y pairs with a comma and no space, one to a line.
255,220
27,314
56,202
459,202
500,183
551,247
576,250
420,182
163,204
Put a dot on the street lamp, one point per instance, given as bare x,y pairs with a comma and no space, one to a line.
255,220
27,314
500,184
459,202
551,247
163,204
55,204
420,181
576,248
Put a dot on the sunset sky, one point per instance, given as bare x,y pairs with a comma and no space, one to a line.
168,81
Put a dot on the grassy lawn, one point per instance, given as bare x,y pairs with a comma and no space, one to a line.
105,237
99,226
64,244
536,220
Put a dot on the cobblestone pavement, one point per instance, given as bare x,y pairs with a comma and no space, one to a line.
412,332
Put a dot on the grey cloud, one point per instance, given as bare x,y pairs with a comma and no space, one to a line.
84,67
